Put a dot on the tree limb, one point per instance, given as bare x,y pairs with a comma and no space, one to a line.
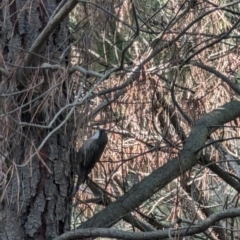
52,24
162,234
186,159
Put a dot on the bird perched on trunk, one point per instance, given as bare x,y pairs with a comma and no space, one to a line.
88,155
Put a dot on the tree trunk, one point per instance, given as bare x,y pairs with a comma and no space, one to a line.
36,180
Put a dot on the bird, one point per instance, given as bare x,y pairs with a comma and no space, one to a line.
88,155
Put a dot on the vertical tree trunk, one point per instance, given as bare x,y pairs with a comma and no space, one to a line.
36,185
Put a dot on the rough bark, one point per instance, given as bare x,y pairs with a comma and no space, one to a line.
35,199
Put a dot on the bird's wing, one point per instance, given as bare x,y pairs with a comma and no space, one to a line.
85,153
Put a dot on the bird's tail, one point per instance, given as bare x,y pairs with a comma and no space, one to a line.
82,177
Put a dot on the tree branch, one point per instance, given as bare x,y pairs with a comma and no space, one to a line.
162,234
52,24
186,159
231,84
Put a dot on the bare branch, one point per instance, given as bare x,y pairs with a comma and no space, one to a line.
43,36
165,174
181,232
231,84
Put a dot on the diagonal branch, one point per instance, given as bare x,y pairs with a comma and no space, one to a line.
48,30
231,84
186,159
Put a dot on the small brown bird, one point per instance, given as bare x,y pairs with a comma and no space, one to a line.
88,155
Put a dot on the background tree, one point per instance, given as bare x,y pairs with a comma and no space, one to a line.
162,78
